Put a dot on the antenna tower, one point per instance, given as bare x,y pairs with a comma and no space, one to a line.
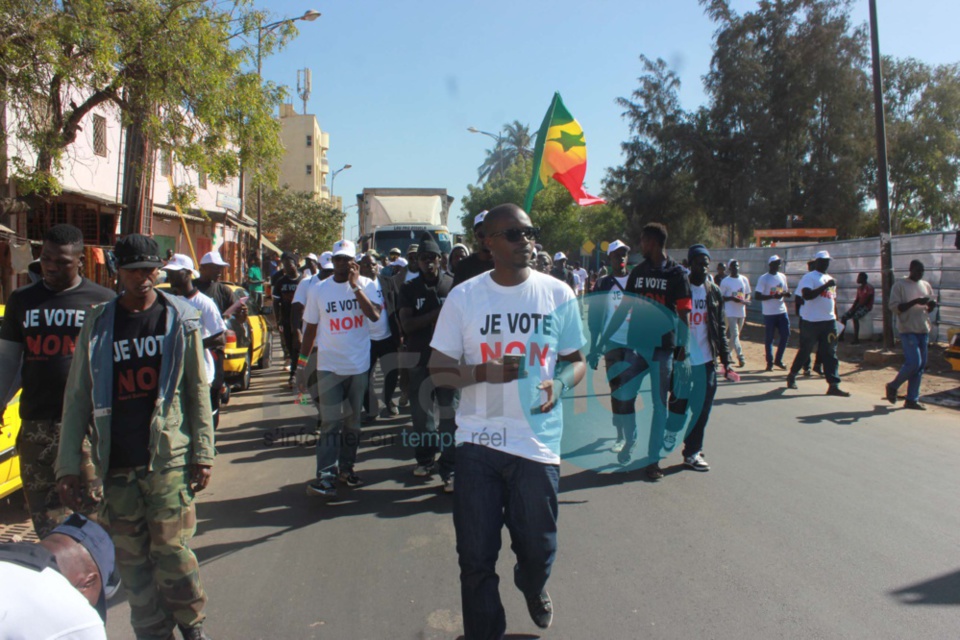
303,87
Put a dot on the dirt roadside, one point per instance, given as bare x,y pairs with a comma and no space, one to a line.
939,378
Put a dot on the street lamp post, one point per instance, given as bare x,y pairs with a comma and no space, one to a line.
499,138
308,16
333,177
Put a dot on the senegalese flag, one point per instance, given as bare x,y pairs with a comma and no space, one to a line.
561,154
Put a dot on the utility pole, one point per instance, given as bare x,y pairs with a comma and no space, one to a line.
883,195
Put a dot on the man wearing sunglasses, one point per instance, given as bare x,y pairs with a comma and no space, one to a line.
510,339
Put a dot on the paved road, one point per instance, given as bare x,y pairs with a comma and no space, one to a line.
821,518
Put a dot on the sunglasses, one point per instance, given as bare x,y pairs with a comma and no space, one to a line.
517,234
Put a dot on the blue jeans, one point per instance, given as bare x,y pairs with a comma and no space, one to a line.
629,390
496,488
423,394
914,362
781,324
341,398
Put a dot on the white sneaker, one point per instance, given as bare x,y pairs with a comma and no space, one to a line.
617,446
424,470
697,463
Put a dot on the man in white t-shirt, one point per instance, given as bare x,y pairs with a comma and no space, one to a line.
736,296
57,588
603,304
584,277
772,290
180,275
819,329
499,338
338,314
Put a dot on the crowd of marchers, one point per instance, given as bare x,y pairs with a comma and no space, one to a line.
118,421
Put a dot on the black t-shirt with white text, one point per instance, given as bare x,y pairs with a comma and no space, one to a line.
137,355
46,323
666,285
422,299
283,290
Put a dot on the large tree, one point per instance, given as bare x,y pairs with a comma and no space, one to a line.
300,222
515,145
177,71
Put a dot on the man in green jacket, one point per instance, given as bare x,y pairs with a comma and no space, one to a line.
138,376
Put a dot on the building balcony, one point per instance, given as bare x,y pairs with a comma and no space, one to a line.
325,140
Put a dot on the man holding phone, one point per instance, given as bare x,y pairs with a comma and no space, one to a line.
911,298
510,421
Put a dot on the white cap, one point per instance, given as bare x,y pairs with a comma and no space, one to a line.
313,256
326,260
822,255
399,262
459,245
180,262
773,258
344,248
616,244
213,257
732,260
477,219
559,256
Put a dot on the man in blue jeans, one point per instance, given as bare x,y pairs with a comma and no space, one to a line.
338,313
911,298
772,290
510,339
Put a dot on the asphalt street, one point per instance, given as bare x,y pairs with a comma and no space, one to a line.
821,518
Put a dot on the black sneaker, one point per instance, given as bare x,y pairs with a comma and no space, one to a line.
913,404
834,390
193,633
769,367
323,488
891,393
780,365
806,372
792,381
350,479
540,607
742,362
389,411
654,472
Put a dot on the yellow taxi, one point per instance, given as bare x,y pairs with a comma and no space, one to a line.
248,346
9,460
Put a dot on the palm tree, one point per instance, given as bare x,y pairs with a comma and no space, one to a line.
515,143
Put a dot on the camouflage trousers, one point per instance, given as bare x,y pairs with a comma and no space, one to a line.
37,445
150,517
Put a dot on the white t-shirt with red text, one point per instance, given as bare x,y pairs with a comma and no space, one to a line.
820,308
700,352
343,331
482,321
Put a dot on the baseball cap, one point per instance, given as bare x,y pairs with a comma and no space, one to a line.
180,262
428,245
478,219
287,255
616,244
395,250
97,542
373,253
137,251
731,261
559,256
312,256
326,260
213,257
413,248
773,258
344,248
822,255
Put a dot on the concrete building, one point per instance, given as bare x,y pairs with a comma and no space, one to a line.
305,166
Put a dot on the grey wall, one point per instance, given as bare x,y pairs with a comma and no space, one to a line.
935,250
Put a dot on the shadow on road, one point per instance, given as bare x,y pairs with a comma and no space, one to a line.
942,590
845,418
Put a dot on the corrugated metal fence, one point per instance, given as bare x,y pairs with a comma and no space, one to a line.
935,250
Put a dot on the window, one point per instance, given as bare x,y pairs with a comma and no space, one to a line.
100,135
166,163
309,169
202,180
309,141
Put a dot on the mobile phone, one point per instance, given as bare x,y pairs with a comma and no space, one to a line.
519,360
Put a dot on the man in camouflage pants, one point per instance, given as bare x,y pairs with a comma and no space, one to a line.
139,372
37,338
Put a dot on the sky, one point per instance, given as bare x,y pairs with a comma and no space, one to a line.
397,84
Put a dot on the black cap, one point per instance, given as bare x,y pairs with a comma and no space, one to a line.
428,245
288,256
137,251
98,543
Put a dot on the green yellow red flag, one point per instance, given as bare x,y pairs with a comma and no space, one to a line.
561,154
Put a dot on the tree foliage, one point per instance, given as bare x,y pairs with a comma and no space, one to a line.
516,144
300,222
179,69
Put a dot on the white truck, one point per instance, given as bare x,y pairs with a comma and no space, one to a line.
397,218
